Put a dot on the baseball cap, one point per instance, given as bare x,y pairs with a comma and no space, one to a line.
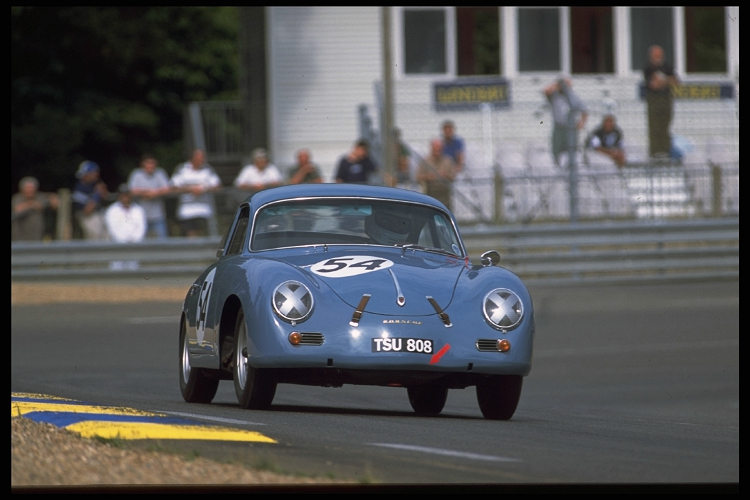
86,167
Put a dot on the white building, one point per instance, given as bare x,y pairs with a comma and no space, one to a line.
325,63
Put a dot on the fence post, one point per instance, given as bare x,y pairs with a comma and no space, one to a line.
497,215
64,223
716,190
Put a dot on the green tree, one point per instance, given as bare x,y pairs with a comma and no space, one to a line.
110,83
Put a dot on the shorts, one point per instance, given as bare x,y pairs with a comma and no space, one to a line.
197,225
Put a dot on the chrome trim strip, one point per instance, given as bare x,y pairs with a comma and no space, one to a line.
359,310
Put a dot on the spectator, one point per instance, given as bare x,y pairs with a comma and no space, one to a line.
28,209
149,184
260,174
125,219
89,195
453,145
437,172
196,180
356,166
569,114
659,78
607,139
305,171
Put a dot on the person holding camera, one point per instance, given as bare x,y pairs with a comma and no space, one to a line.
569,114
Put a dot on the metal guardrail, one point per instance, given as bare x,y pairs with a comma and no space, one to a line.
611,252
616,252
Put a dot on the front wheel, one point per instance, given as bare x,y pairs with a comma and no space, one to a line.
498,396
197,385
254,388
427,400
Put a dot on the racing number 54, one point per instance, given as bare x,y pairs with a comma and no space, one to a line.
342,262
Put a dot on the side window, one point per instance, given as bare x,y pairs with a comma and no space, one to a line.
238,236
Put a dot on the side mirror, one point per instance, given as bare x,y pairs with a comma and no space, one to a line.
490,258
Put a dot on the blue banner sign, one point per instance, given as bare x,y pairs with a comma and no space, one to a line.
471,94
697,91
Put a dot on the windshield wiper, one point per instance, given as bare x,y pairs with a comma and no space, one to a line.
414,246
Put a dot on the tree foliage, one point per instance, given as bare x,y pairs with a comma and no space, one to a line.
111,83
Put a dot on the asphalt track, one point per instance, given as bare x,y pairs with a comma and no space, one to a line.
631,385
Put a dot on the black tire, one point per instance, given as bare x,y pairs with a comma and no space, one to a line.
498,396
427,400
197,385
255,389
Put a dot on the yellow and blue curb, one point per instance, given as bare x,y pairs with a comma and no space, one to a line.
111,422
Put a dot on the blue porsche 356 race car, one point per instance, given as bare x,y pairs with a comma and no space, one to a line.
332,284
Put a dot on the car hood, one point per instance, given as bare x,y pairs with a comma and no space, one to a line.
398,282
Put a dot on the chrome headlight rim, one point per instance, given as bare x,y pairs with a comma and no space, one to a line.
292,301
503,309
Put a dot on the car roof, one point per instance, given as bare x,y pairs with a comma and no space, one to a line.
340,189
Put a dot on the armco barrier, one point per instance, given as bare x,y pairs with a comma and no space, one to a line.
548,254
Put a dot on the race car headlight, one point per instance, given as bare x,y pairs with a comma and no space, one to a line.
292,301
502,309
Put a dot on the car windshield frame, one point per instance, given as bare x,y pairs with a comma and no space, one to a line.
327,221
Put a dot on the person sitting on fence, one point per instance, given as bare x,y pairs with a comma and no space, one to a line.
607,140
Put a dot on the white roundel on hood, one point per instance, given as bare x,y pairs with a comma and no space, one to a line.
350,265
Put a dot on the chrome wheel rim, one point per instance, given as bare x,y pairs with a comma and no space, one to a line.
185,358
240,358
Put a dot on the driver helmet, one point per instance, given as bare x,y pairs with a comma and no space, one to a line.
387,227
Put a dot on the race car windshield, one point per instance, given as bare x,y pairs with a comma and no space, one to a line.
346,221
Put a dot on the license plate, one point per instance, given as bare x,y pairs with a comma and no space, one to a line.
402,344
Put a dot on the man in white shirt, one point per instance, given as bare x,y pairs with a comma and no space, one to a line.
196,180
125,219
259,175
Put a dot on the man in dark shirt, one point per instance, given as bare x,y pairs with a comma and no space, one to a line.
89,197
356,166
659,77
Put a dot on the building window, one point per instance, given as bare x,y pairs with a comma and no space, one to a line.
424,41
591,40
539,39
478,41
650,26
705,40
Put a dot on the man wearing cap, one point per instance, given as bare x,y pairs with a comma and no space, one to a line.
260,174
88,198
